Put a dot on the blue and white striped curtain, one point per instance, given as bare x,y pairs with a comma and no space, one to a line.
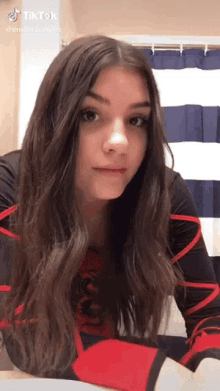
189,87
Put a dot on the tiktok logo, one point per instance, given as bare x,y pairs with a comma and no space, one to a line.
13,16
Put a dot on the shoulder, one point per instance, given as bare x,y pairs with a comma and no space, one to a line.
181,197
184,225
173,178
170,176
10,162
9,166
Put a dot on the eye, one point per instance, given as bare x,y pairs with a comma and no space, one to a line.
89,116
139,121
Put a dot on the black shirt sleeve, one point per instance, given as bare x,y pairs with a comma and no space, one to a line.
200,307
8,174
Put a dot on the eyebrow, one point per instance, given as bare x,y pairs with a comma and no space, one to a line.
107,102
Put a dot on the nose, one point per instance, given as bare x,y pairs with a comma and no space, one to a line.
117,138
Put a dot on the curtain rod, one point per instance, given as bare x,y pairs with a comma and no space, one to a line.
179,43
180,47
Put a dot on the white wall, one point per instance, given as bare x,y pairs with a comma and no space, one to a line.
40,43
158,17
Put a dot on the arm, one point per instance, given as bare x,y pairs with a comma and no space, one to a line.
201,306
7,200
127,366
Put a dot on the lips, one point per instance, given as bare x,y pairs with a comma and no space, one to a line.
119,170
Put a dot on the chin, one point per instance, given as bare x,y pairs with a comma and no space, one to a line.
110,195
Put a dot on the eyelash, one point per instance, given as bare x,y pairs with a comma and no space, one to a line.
144,118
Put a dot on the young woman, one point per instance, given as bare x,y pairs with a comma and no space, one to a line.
98,233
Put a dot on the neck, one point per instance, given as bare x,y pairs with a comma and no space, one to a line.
97,221
92,209
96,214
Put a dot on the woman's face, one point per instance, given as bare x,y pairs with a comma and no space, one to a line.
112,133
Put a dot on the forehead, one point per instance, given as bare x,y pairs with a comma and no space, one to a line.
126,80
120,73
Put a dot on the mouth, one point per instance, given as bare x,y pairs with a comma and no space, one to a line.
108,170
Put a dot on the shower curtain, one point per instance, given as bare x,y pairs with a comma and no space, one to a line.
189,87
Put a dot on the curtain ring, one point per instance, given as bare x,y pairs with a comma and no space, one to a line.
181,49
206,48
152,48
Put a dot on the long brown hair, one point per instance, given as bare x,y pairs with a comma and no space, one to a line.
138,276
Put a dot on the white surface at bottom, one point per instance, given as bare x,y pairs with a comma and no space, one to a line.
43,384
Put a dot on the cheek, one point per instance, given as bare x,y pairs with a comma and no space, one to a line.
83,153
